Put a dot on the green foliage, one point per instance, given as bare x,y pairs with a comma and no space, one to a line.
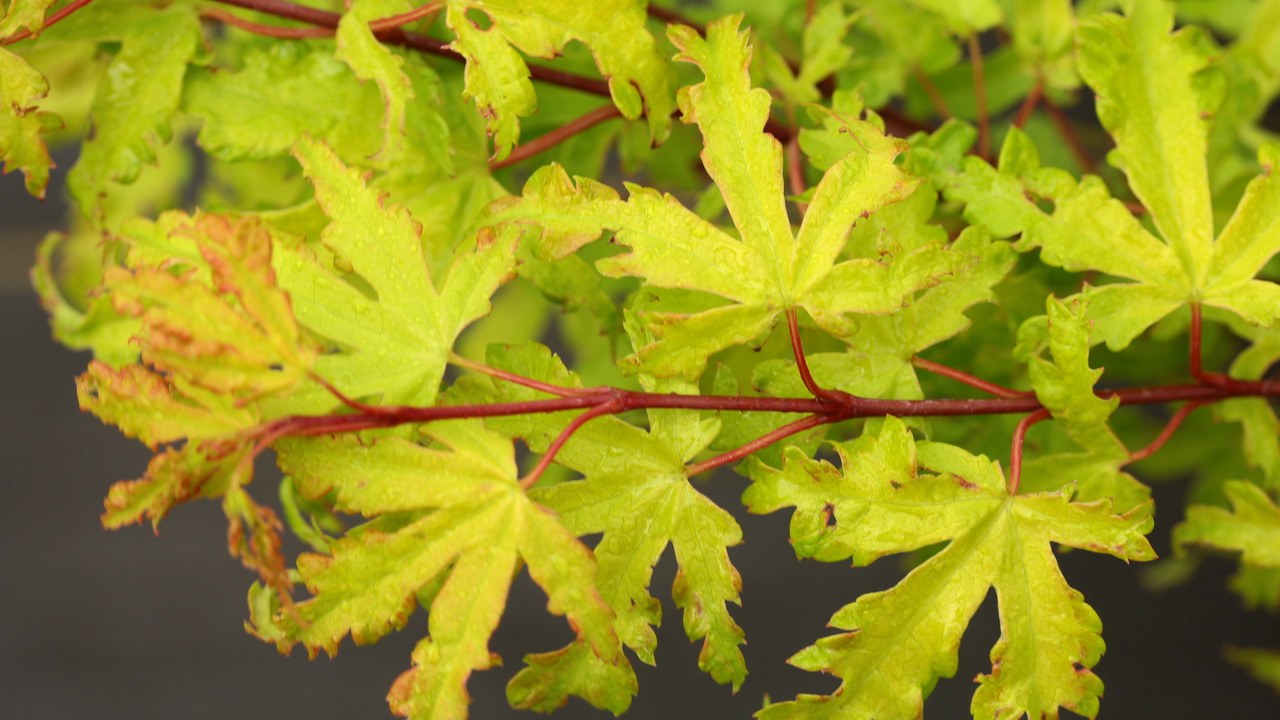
377,217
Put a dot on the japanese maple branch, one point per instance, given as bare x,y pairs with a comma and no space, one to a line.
829,410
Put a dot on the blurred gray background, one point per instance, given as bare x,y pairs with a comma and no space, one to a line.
97,624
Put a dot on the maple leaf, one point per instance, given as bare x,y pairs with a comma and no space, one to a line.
28,14
1155,92
451,513
1065,386
769,270
1252,528
217,335
155,47
371,60
903,639
394,341
498,79
636,492
21,124
878,362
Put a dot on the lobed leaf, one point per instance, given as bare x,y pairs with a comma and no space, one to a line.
498,79
467,528
1252,528
394,341
21,124
765,271
902,640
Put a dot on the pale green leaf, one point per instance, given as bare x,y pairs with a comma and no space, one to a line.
481,526
965,17
156,47
371,60
27,14
282,91
394,344
1153,97
21,124
498,79
1262,663
1064,385
1261,434
765,270
1252,527
902,640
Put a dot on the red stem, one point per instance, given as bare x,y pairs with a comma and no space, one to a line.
795,170
1068,134
970,380
520,379
802,365
1029,104
48,23
673,17
759,443
555,137
931,91
1015,454
544,462
980,95
1165,434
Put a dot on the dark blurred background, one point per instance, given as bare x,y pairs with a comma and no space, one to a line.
97,624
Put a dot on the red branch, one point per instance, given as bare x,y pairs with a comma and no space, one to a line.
673,17
1029,104
759,443
1068,134
802,365
550,139
980,94
967,379
544,462
1015,455
1169,429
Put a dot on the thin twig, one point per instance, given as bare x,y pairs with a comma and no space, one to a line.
967,379
759,443
550,139
1165,434
48,23
802,365
931,91
557,390
795,172
1197,368
1068,134
396,21
545,461
980,95
275,31
673,17
1015,454
1029,104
